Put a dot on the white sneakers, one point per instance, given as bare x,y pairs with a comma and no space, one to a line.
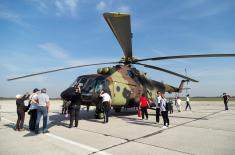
167,126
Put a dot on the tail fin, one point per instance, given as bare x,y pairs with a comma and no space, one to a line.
182,85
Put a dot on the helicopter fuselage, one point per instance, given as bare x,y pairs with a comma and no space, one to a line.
124,83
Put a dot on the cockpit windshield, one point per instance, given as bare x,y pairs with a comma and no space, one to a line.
90,84
99,86
79,80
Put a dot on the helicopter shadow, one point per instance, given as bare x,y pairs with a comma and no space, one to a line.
90,116
59,119
12,126
137,121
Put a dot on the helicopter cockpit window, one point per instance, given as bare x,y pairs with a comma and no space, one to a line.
79,80
99,86
83,81
89,87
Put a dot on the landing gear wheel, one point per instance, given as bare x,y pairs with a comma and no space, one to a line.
117,109
99,115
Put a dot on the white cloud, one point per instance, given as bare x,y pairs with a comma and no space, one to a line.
13,17
124,9
10,67
54,50
203,8
41,78
160,53
203,13
211,73
193,9
101,6
66,7
84,61
107,5
193,3
42,5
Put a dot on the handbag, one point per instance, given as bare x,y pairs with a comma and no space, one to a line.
26,108
139,113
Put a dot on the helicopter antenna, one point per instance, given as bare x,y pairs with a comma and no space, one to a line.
186,74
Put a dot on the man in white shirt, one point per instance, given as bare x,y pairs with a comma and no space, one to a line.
42,109
106,102
187,103
178,104
157,103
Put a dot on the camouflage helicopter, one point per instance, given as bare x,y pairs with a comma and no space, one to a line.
123,81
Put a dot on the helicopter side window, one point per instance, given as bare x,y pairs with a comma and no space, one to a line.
130,73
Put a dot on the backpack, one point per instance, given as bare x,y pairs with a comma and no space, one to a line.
168,106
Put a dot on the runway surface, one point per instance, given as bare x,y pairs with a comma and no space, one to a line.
206,130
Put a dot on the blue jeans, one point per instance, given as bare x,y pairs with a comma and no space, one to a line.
41,111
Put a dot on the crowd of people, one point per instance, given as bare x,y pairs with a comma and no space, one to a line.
39,106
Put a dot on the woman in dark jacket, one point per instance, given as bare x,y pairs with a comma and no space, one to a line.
21,109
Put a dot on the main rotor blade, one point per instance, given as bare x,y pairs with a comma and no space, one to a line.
188,56
121,27
167,71
60,69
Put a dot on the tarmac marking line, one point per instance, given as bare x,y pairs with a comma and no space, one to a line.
217,129
158,132
165,148
196,119
148,135
86,147
83,146
108,148
151,134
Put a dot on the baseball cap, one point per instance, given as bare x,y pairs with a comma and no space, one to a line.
35,90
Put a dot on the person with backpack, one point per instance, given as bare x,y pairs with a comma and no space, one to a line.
164,111
170,105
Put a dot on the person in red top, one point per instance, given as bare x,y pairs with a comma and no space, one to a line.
143,106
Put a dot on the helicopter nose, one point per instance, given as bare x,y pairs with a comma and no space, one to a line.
67,93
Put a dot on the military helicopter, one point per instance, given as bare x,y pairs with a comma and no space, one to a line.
123,81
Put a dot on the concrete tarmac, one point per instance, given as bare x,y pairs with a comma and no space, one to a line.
206,130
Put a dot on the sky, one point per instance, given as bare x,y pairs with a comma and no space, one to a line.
40,35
